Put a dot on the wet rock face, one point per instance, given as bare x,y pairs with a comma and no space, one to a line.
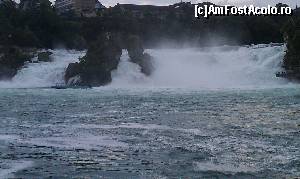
73,70
7,73
138,56
94,69
145,62
44,56
292,58
134,47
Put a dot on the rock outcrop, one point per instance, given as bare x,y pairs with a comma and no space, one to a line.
291,62
102,57
94,69
137,55
44,56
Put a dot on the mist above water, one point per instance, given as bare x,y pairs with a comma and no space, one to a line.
206,68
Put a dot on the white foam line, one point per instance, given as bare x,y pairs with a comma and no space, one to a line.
83,142
138,126
224,168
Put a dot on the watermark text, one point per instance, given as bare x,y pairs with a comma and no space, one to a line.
210,10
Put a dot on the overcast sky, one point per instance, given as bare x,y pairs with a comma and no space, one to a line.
292,3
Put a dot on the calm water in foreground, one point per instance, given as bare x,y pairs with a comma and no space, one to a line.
114,133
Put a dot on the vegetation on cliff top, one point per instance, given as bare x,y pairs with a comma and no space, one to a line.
42,27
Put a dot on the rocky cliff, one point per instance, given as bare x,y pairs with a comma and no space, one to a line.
95,68
291,62
137,55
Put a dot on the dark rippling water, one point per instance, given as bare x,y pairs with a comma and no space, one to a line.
113,133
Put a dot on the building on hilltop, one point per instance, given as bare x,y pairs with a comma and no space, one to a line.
86,8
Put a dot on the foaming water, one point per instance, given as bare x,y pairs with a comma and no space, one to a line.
112,133
206,68
224,168
128,74
44,74
251,67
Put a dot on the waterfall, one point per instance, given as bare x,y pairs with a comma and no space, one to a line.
44,74
206,68
200,68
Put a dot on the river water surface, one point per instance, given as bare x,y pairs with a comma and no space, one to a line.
149,133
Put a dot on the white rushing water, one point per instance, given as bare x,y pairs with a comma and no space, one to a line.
207,68
44,74
204,68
